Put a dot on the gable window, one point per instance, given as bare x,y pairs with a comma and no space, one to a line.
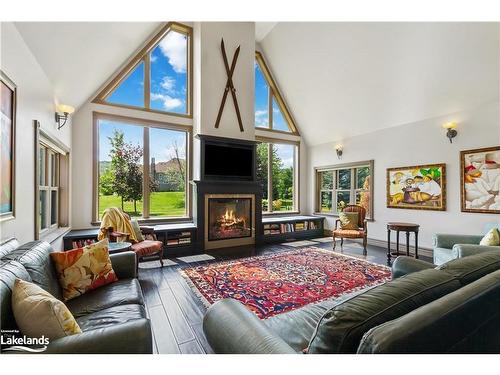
271,112
158,78
345,184
277,173
141,167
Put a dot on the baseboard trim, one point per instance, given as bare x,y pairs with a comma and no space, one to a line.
424,251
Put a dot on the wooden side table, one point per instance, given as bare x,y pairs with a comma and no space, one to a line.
401,227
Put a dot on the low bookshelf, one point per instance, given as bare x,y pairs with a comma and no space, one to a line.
286,228
177,238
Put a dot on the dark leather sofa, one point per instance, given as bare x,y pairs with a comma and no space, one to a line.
112,318
452,308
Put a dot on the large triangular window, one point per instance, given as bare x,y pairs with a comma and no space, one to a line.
158,78
271,112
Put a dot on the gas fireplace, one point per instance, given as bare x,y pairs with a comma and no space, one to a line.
230,220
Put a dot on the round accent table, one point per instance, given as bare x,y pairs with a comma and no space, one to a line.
118,247
401,227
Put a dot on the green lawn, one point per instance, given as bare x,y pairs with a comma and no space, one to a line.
167,203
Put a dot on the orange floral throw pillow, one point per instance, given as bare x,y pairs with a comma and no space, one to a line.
83,269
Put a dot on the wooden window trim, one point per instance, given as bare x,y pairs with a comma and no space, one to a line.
352,166
54,147
275,93
296,175
144,56
96,116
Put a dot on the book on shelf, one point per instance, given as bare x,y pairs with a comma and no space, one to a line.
184,240
81,243
173,242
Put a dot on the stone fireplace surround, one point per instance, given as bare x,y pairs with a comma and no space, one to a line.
220,186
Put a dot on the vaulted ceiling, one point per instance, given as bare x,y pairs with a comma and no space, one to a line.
79,57
339,79
346,79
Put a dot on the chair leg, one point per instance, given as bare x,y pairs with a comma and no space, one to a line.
334,242
364,245
160,256
341,243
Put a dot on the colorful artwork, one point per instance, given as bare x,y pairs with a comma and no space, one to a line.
480,182
277,283
420,187
7,124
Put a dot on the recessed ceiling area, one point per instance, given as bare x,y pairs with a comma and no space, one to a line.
79,57
346,79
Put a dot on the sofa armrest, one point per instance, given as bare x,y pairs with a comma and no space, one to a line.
464,250
231,328
448,240
131,337
124,264
405,265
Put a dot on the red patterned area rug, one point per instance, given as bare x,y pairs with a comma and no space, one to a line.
273,284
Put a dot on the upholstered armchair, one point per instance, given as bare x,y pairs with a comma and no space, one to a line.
143,238
360,232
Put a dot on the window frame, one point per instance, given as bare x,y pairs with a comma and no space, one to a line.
51,182
274,93
146,124
144,55
353,186
296,175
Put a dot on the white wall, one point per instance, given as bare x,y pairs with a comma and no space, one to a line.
35,101
422,142
212,78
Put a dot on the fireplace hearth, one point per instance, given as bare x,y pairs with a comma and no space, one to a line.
229,218
228,197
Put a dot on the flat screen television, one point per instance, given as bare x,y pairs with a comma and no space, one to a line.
228,162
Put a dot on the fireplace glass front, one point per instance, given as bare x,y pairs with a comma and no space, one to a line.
229,218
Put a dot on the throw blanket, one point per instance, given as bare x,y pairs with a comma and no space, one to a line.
114,218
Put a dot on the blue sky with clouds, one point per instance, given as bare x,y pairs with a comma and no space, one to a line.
168,78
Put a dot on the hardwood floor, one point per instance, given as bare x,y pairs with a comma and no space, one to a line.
177,314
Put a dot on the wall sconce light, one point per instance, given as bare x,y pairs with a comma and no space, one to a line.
339,149
450,132
62,113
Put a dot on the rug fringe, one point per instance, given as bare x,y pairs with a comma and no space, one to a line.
195,290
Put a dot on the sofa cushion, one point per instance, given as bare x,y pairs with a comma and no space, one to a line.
342,327
38,313
9,272
8,246
84,269
471,268
121,292
297,326
34,256
111,316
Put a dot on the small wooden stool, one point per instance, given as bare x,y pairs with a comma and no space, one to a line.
401,227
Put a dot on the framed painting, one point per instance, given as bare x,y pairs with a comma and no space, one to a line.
7,153
480,180
419,187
